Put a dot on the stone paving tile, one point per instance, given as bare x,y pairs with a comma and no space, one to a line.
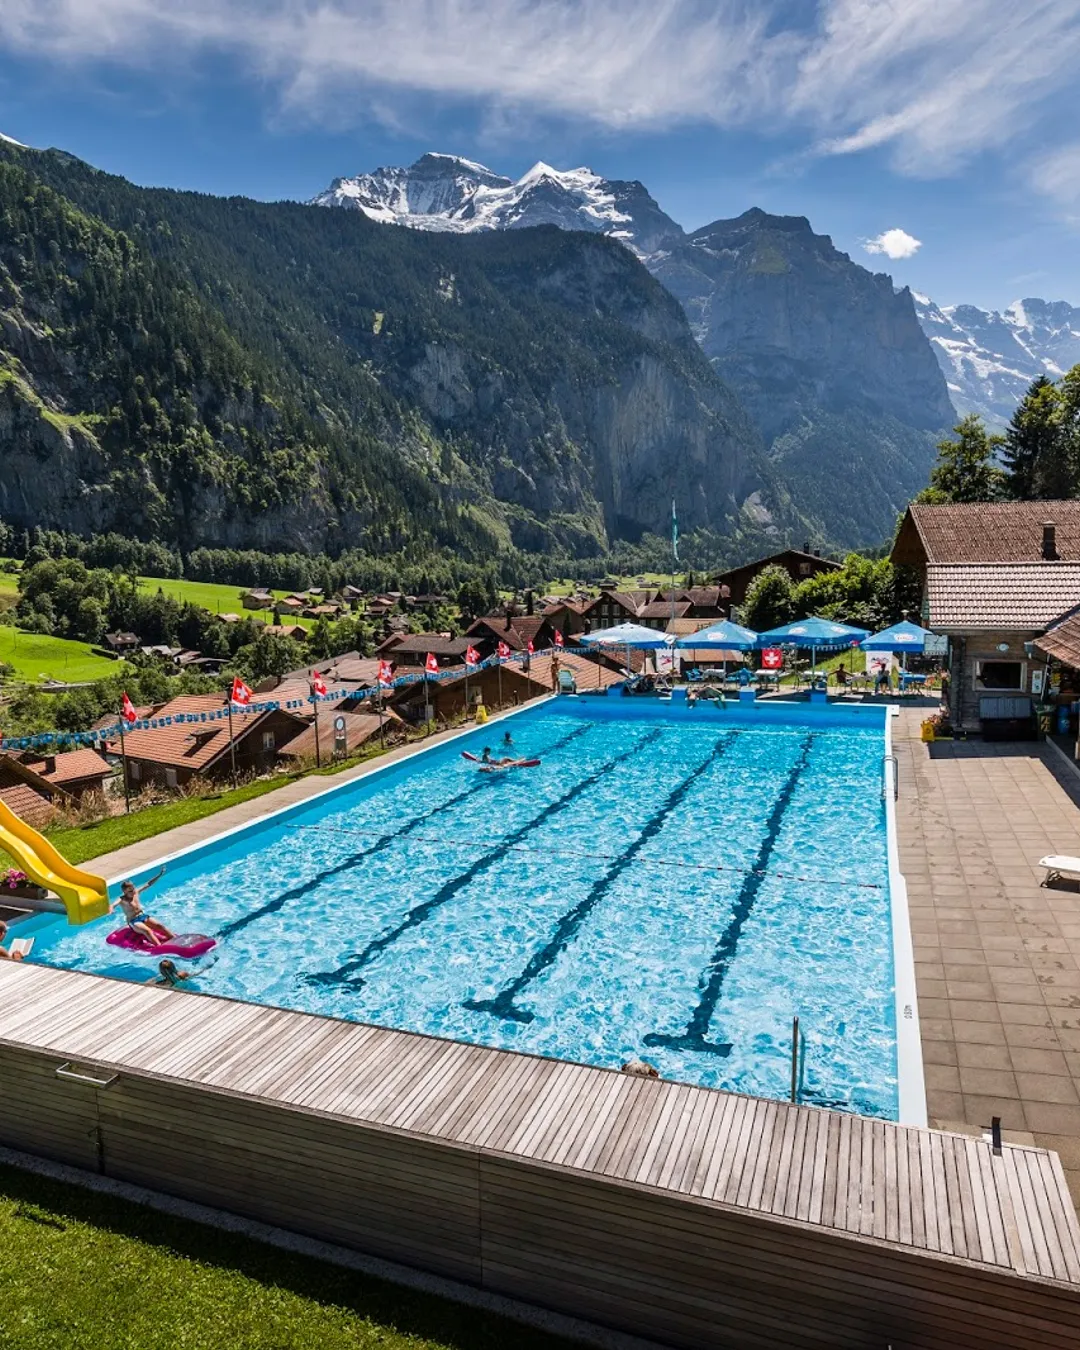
997,956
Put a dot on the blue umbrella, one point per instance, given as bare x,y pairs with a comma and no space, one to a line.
901,637
626,635
725,635
815,633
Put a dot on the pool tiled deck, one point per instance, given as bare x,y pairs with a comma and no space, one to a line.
997,956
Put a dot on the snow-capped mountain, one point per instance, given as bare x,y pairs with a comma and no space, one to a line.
990,358
444,192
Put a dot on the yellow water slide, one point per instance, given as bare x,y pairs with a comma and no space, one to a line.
85,896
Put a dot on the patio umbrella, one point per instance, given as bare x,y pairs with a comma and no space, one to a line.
724,636
901,637
817,634
628,635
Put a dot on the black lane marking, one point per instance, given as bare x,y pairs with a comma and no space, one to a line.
695,1037
503,1005
384,841
346,974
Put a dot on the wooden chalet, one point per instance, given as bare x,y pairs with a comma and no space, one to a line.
799,564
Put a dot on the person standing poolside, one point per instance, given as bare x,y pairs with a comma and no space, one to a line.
137,918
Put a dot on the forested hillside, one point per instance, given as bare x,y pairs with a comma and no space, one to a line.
226,372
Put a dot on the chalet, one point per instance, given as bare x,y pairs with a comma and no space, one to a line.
799,564
613,606
340,733
1002,581
412,649
290,604
297,631
516,630
659,613
33,786
565,615
257,598
229,617
327,610
173,754
121,643
351,594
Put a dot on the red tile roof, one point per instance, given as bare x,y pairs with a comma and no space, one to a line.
189,745
29,805
72,766
359,728
993,532
517,631
1062,642
1025,596
666,609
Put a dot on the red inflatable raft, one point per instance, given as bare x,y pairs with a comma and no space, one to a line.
183,944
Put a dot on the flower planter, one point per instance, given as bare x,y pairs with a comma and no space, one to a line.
24,891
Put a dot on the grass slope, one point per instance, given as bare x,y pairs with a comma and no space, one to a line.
35,657
82,1269
218,599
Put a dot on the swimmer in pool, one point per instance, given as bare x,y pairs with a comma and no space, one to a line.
170,975
137,918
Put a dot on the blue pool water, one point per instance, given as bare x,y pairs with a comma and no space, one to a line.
668,885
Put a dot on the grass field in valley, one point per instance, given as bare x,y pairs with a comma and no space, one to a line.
35,658
218,599
80,1269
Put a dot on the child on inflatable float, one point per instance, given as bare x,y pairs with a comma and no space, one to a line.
138,921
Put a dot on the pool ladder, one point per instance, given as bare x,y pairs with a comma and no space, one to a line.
895,777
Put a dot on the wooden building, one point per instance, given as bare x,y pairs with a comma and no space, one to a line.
799,564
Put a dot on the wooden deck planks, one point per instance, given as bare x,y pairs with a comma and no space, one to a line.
920,1190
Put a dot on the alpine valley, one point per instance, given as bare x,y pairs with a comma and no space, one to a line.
282,376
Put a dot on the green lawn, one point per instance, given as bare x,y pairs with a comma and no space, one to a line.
80,1269
35,657
216,598
81,842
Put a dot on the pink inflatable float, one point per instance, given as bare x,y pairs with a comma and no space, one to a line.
183,944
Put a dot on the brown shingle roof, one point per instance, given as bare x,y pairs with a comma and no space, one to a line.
1062,642
1024,596
665,609
72,766
517,631
419,644
985,532
27,804
188,745
584,671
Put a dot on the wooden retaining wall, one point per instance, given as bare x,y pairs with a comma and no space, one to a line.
695,1218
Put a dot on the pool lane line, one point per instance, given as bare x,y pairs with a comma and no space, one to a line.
503,1005
346,974
383,842
695,1037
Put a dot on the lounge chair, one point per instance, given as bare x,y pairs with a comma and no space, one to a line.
1060,867
567,682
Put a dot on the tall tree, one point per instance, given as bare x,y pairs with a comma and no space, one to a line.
966,470
768,601
1031,455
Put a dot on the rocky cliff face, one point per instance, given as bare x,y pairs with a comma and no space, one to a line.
827,357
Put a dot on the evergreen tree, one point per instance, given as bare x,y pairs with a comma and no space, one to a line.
965,470
1031,459
768,601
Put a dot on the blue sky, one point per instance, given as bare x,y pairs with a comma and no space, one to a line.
954,123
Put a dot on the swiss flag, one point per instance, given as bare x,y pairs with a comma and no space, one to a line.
318,684
503,650
127,710
558,638
530,647
772,658
431,665
240,693
472,656
386,674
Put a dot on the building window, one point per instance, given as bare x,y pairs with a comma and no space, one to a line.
1001,675
804,569
170,778
268,742
134,770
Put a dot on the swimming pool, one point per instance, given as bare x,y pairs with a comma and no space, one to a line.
669,884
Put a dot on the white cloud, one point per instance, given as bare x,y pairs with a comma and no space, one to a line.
894,244
1057,175
935,81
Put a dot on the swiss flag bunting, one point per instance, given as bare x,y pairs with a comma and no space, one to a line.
558,638
240,693
504,651
318,684
530,647
127,709
472,657
386,674
431,665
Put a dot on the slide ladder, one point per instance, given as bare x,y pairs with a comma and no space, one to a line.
85,896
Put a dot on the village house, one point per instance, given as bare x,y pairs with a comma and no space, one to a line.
34,785
172,754
614,606
259,597
799,564
120,643
341,733
1001,580
516,630
413,649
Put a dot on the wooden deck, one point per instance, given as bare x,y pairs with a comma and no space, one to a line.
695,1217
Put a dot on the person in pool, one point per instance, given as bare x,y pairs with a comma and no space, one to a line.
507,762
5,955
137,918
508,741
170,975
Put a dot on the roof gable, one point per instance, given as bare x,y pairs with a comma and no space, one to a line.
987,532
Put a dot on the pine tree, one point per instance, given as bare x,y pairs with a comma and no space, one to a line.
966,471
1031,455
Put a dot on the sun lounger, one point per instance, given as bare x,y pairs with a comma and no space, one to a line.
1060,867
567,682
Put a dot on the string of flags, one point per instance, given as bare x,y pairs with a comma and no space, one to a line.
242,702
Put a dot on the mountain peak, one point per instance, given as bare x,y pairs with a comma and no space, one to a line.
448,193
